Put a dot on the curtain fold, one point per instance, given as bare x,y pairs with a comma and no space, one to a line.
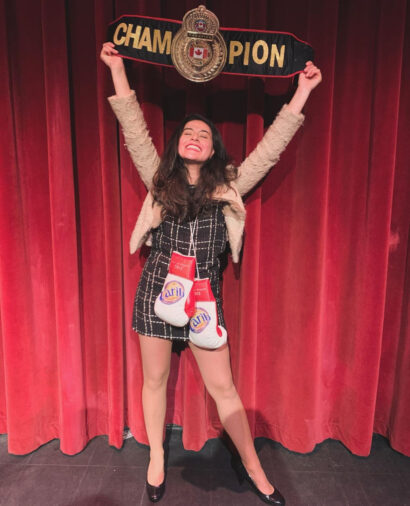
318,309
393,394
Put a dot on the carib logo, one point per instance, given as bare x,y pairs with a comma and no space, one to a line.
172,292
200,320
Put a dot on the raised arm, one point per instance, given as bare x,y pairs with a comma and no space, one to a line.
279,134
129,114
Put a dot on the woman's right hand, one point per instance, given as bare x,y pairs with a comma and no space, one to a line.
109,55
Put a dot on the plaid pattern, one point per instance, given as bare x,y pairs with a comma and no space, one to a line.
210,239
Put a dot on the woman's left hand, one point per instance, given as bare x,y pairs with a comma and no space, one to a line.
310,77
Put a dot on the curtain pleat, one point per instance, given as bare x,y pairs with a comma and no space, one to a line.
393,393
317,311
64,285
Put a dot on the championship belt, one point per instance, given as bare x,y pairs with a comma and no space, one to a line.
198,50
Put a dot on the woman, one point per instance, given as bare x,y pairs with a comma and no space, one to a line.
194,200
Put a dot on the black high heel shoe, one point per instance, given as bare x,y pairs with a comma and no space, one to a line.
275,498
155,493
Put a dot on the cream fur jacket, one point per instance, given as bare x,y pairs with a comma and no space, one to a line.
253,169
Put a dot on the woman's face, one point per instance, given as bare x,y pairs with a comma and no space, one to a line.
195,143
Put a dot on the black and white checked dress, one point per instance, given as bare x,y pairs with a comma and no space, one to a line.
210,238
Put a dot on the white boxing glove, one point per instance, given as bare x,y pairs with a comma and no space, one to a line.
175,304
204,330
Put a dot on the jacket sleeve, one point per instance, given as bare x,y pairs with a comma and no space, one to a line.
267,152
137,138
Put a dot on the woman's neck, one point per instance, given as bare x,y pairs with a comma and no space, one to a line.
194,170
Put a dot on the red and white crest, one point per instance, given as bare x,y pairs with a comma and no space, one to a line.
198,52
200,25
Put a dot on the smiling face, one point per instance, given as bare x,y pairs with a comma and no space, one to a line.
196,144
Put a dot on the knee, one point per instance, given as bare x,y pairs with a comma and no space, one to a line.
156,380
223,391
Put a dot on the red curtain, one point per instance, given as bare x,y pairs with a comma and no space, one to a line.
318,309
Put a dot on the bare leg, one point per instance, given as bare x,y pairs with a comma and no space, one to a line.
156,359
215,369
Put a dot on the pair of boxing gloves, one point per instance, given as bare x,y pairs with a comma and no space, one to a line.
185,299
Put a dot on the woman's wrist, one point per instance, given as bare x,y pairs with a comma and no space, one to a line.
118,69
308,80
298,100
120,80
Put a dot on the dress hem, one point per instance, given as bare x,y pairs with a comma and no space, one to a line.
168,338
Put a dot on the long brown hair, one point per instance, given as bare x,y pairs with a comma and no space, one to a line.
170,184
